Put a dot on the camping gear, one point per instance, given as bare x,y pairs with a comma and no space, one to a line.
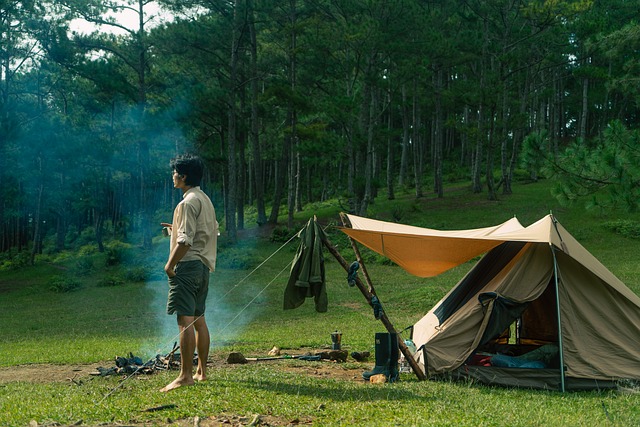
377,307
352,273
387,352
405,368
533,286
336,338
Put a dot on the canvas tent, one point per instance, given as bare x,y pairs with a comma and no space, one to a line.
535,291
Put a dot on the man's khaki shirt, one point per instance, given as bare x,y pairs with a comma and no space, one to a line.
194,224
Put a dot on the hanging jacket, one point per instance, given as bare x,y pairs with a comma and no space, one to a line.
307,276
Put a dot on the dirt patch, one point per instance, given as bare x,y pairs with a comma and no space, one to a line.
46,373
221,420
327,370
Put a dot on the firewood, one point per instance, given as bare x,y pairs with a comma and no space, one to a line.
255,421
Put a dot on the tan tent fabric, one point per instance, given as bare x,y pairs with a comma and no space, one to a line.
426,252
547,230
599,315
600,327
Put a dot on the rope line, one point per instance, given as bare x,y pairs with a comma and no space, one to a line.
259,265
254,298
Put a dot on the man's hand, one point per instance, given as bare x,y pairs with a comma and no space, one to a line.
169,269
177,253
166,229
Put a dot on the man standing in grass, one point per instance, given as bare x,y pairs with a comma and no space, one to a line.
194,236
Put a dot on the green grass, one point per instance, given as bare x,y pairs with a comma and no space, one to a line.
266,389
96,323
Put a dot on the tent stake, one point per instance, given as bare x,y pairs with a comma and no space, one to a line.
368,294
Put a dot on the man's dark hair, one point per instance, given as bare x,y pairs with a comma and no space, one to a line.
189,165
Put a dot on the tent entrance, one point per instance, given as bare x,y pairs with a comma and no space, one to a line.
519,335
532,323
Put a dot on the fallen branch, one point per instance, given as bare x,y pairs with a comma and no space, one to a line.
160,408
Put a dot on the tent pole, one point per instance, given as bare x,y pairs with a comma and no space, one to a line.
560,352
383,318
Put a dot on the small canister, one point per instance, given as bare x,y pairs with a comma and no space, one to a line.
336,338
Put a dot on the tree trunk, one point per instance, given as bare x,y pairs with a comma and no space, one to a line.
368,112
279,184
491,188
241,186
406,126
99,226
37,226
351,168
477,153
294,175
418,159
390,157
585,108
5,71
438,135
255,125
144,159
232,172
504,143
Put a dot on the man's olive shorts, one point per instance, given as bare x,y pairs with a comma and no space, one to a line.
188,289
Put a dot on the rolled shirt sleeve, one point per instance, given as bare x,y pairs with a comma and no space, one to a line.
187,226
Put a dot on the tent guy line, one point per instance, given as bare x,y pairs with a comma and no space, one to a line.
258,267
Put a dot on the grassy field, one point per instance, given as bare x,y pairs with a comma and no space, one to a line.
52,331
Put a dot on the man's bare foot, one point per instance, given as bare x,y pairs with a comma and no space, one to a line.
178,382
199,377
201,373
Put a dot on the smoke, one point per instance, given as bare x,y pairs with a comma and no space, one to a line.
233,301
225,318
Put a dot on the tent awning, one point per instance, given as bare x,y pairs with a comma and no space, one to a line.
426,252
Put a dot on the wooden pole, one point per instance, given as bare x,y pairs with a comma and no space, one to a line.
347,224
368,293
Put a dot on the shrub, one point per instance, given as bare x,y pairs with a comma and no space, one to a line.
111,281
86,237
282,234
62,257
137,274
15,260
87,250
83,265
63,284
116,252
626,228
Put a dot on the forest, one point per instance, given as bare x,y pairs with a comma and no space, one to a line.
293,102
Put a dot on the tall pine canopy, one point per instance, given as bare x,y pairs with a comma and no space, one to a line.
300,101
